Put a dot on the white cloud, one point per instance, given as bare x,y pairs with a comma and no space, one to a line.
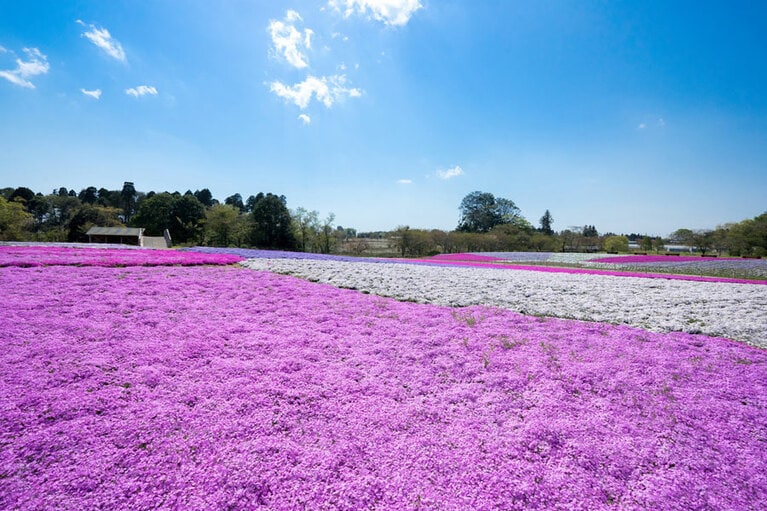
390,12
36,64
305,119
95,94
141,90
104,40
327,90
661,122
450,173
290,42
641,126
404,181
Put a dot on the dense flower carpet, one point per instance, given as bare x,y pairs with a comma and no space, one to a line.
213,386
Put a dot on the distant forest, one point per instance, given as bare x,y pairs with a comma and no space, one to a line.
487,223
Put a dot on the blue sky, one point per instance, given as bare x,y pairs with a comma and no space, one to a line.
632,116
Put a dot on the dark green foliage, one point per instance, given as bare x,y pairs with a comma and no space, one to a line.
23,193
236,201
128,200
89,195
88,216
205,197
481,211
155,214
271,223
182,215
589,231
546,221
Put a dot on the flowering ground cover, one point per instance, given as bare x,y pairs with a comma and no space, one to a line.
465,257
44,255
226,388
254,253
723,267
500,260
732,310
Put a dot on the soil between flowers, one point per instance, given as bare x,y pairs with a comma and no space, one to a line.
216,387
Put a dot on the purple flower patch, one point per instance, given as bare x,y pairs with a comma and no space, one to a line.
46,255
225,388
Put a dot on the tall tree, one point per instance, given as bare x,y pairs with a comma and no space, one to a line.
14,221
128,199
182,215
546,221
90,215
205,197
223,226
23,193
326,233
188,215
155,214
481,211
89,195
236,201
271,223
250,204
306,225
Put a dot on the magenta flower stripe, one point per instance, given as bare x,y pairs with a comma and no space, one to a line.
225,388
39,255
588,271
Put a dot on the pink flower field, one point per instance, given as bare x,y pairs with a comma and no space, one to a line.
218,387
46,255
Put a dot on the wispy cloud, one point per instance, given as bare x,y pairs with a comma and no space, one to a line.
36,64
104,40
290,42
404,181
95,94
390,12
327,90
305,119
658,123
450,173
141,90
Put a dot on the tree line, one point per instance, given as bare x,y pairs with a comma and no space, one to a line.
262,220
493,224
486,223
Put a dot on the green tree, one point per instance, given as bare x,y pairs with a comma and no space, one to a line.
683,236
306,224
326,234
546,221
128,200
155,214
23,194
223,226
40,208
89,216
646,243
481,211
236,201
188,215
205,197
616,244
271,223
182,215
89,195
589,231
14,221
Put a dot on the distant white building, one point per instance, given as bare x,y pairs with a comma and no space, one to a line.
679,248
